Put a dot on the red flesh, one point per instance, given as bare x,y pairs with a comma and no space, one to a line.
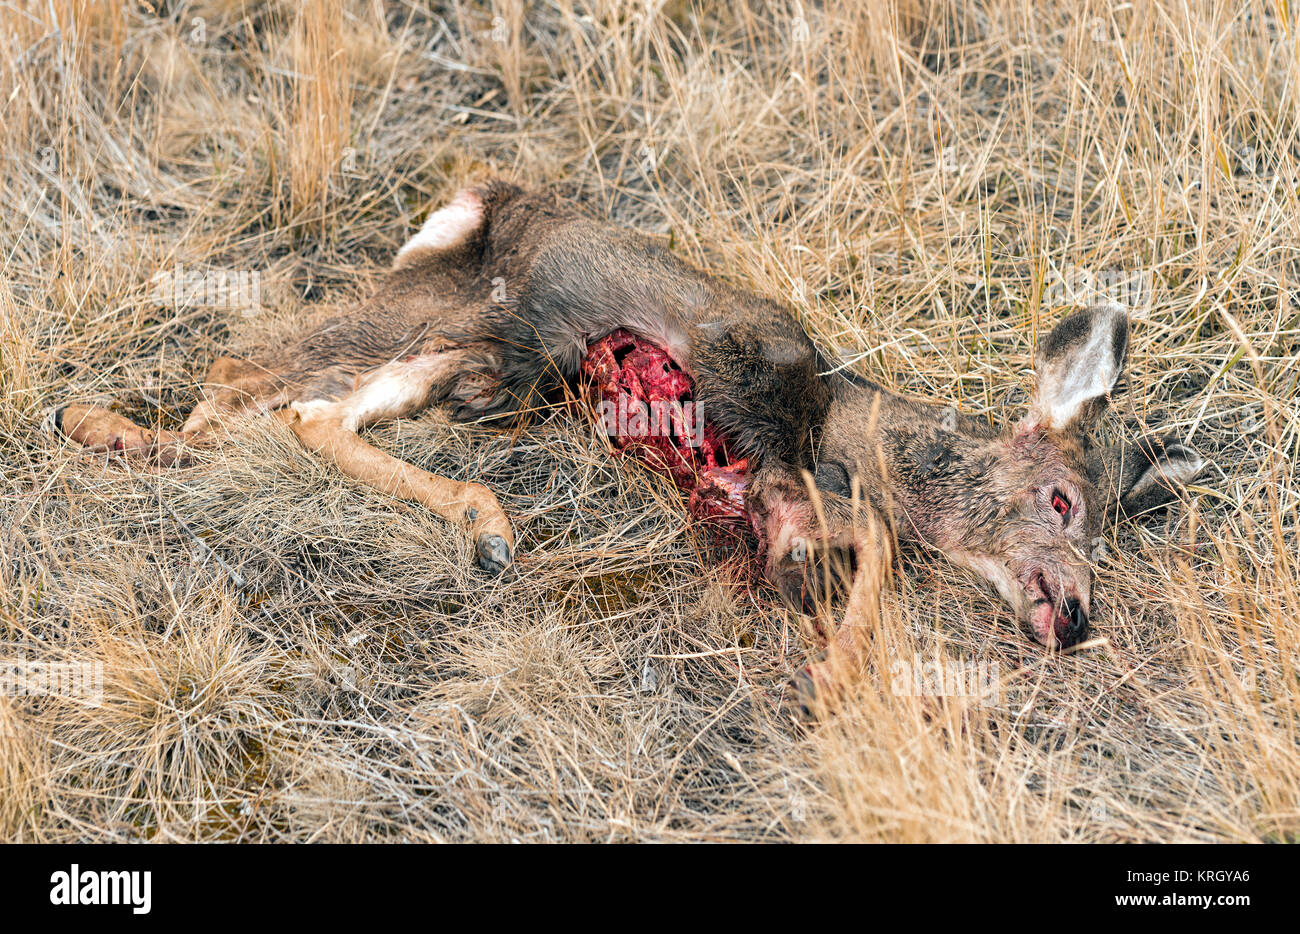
640,372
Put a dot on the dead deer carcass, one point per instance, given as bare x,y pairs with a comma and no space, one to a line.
505,295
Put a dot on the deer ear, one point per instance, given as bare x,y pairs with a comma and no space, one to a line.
1078,365
1136,478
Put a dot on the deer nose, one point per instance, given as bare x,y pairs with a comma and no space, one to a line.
1072,624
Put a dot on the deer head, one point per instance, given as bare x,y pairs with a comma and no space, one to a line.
1022,508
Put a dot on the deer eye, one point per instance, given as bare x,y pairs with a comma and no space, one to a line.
1062,506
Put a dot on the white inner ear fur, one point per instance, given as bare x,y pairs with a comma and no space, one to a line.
1083,372
1178,465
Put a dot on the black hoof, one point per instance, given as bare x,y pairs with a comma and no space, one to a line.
493,554
54,422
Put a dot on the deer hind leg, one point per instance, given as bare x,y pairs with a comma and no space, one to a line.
231,386
329,428
101,430
235,386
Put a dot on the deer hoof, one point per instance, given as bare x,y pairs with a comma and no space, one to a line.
53,422
493,554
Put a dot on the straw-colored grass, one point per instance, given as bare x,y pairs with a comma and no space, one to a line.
286,656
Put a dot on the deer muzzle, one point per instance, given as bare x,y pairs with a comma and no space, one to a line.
1058,617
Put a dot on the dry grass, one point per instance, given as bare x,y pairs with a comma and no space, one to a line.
286,656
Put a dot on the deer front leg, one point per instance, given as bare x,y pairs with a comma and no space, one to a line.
330,428
844,656
801,526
